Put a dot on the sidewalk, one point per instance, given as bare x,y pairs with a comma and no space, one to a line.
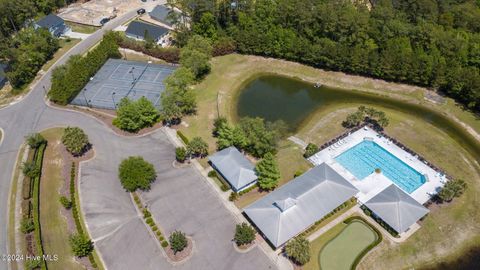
333,223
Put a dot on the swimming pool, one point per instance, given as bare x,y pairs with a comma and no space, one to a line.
362,160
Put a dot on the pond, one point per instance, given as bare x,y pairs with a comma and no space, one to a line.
275,97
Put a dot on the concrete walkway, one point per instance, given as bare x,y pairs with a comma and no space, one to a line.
298,141
334,222
72,34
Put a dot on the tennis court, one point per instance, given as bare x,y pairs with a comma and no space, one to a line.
121,78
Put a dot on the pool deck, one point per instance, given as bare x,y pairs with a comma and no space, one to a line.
375,183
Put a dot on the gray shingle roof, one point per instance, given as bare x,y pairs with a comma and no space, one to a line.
3,77
160,13
292,208
137,28
50,20
234,167
396,208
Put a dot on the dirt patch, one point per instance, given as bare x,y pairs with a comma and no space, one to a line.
182,255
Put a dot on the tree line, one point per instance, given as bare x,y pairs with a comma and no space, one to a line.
69,79
428,43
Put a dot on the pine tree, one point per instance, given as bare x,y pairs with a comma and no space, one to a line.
267,172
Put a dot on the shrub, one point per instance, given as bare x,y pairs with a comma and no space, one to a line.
133,116
149,220
34,140
244,234
180,154
233,196
453,188
178,241
310,150
146,213
197,147
26,186
75,140
217,123
30,169
298,249
161,238
154,228
268,172
27,225
224,187
298,173
136,173
81,245
212,173
159,233
164,243
65,202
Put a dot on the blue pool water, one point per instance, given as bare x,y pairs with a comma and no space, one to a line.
362,160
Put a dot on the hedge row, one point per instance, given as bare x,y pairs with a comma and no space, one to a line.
75,213
38,157
183,137
147,216
369,247
171,54
68,80
314,226
382,223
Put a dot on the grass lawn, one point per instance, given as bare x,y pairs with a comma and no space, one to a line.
54,227
317,245
82,28
136,56
447,230
65,46
341,252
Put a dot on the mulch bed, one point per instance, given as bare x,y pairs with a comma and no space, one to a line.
182,255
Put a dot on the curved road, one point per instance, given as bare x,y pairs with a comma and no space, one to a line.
179,199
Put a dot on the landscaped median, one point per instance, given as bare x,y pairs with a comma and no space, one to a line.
55,235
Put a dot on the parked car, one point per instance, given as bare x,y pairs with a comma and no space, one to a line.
104,21
141,11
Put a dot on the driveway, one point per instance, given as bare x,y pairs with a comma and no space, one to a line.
180,199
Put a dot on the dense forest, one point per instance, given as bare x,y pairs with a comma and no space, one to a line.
432,43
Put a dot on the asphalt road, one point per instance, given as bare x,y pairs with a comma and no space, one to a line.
22,118
179,199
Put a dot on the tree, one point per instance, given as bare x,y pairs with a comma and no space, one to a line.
180,154
298,249
136,173
197,147
133,116
176,102
217,124
35,140
267,172
196,61
244,234
81,245
310,150
453,188
75,140
259,139
178,241
353,119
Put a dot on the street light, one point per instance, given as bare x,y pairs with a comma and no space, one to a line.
113,99
85,97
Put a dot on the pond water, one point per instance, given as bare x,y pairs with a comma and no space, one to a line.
275,97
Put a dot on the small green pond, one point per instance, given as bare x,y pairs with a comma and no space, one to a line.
341,252
275,97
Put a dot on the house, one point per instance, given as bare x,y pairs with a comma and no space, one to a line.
396,208
3,77
297,205
54,24
160,13
234,167
141,31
